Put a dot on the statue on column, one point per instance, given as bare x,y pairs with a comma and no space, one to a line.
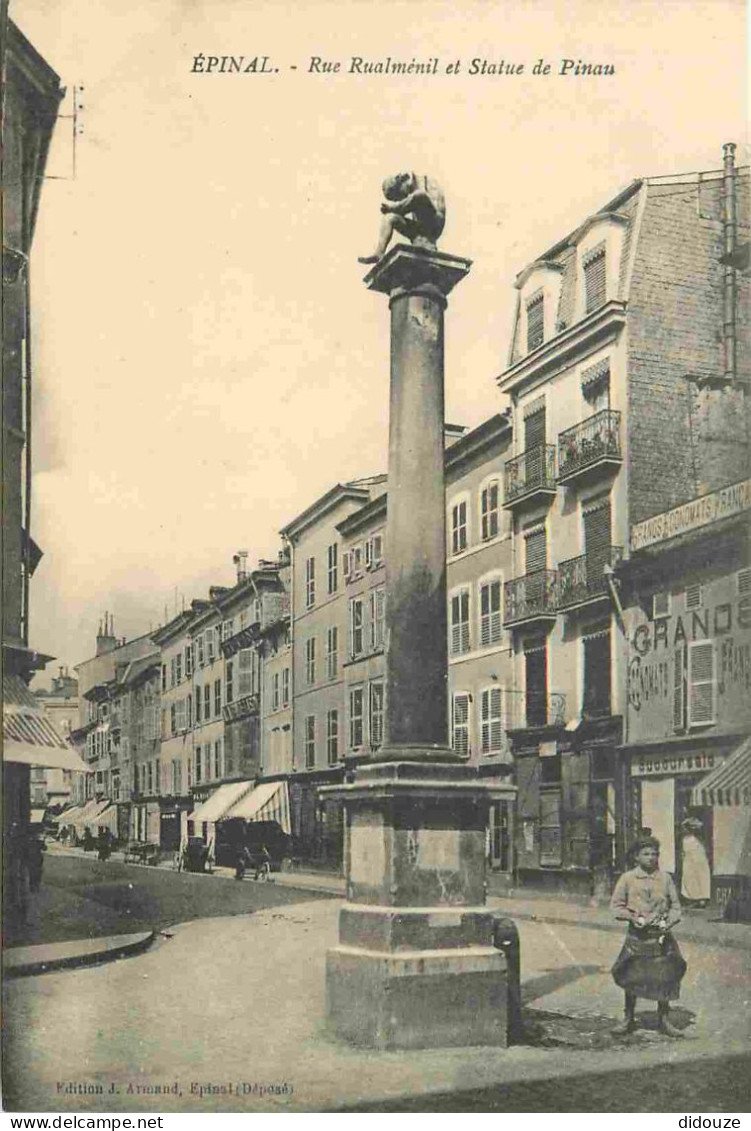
413,206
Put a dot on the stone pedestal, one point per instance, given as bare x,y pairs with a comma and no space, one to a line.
415,966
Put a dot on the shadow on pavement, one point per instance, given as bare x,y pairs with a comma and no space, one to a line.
554,980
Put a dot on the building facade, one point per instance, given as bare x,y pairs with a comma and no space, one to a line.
626,376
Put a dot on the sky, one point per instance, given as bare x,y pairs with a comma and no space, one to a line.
207,359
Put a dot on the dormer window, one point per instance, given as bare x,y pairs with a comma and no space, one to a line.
535,321
595,278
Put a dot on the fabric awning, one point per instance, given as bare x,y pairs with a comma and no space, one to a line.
36,816
269,801
68,816
222,799
107,819
89,814
729,783
28,735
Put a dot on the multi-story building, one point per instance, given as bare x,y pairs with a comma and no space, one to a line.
626,375
276,689
140,718
319,620
170,774
687,751
52,787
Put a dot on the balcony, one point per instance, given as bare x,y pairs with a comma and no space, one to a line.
530,477
581,581
589,447
532,599
535,709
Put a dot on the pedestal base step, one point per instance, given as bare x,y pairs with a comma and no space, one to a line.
418,999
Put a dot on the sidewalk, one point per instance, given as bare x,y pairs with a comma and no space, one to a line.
229,1015
19,961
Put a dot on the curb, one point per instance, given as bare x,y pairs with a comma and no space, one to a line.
24,964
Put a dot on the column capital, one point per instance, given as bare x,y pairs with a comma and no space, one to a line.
409,270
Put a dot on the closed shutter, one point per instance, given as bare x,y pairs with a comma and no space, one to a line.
597,543
701,683
460,623
490,613
460,724
534,429
679,688
492,728
535,322
535,550
595,283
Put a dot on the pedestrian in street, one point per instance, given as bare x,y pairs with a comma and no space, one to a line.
103,845
242,861
650,964
696,878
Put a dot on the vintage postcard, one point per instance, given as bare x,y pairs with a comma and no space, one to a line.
376,579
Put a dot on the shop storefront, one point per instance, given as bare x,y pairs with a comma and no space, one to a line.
726,792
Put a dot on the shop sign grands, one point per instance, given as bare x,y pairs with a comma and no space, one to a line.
644,765
699,512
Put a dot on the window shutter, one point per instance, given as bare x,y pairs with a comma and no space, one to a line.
369,553
535,322
679,688
701,683
595,282
460,724
345,564
534,429
660,605
694,596
535,550
744,582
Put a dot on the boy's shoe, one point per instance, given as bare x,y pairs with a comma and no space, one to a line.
628,1025
668,1029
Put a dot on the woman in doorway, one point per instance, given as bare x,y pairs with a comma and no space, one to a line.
696,878
650,964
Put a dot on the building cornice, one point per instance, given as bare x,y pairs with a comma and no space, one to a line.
596,329
322,506
492,431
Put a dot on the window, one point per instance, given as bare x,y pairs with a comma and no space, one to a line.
490,611
374,551
180,705
332,558
199,643
376,714
595,382
701,683
459,526
310,741
596,691
150,769
178,668
535,322
535,549
459,622
660,605
536,681
199,703
744,582
285,687
229,681
245,672
198,765
550,827
460,723
489,510
257,611
597,525
207,701
275,691
694,596
218,758
173,718
177,776
164,677
490,719
332,736
188,661
189,711
310,661
210,645
332,652
355,717
310,583
217,697
227,629
679,688
356,641
172,669
377,602
595,281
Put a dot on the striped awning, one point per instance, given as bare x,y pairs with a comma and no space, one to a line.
107,818
215,808
729,783
68,816
28,735
87,817
269,801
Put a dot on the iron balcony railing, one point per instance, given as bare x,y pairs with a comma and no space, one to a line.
533,596
535,709
595,439
583,579
532,471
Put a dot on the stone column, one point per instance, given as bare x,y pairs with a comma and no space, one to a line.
415,966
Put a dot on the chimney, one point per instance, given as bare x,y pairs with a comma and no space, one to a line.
241,561
729,228
105,640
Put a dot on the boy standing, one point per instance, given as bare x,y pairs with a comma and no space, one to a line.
650,964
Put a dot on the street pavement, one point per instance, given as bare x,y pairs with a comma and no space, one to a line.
239,1003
